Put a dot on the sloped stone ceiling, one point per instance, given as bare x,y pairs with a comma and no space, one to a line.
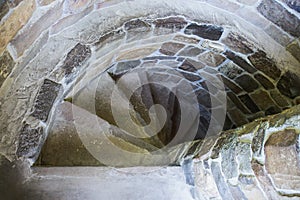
213,66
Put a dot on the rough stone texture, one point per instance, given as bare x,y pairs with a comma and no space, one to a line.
28,35
137,25
230,70
293,4
205,31
231,85
122,67
169,25
191,51
289,85
63,146
279,99
171,48
75,58
213,46
109,37
264,81
247,83
237,117
294,49
6,66
16,20
265,64
238,43
237,102
68,20
29,141
262,100
137,29
45,99
76,6
282,167
240,61
185,39
246,99
121,41
45,2
211,59
287,21
4,8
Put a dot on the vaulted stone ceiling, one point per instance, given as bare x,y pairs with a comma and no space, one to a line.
72,69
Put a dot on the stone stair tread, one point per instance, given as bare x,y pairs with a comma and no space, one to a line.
107,183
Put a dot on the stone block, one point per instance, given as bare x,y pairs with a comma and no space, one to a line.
137,25
237,102
136,53
76,6
121,68
230,70
265,65
4,8
30,33
187,66
262,99
171,48
193,63
240,61
237,117
210,32
246,99
289,85
293,4
69,20
191,51
247,82
45,99
169,25
264,81
282,17
279,35
6,66
294,49
109,38
238,43
29,141
211,58
184,39
16,20
279,99
45,2
231,85
75,58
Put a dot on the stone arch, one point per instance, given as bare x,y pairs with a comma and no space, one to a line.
64,45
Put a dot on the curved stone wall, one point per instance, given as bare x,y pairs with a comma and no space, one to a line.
56,46
213,65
